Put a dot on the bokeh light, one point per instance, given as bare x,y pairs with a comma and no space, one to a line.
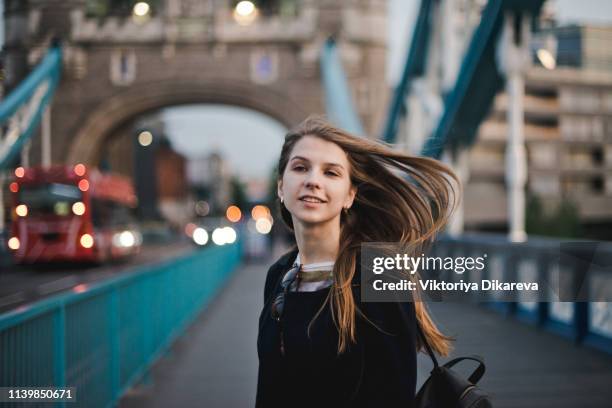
145,138
14,243
233,213
83,185
263,225
79,169
141,9
260,211
21,210
86,241
200,236
78,208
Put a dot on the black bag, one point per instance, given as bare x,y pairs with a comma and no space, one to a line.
446,389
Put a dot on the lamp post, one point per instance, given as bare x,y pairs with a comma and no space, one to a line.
513,59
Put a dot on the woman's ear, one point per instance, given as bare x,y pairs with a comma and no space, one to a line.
279,189
351,197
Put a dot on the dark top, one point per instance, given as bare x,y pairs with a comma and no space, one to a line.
378,371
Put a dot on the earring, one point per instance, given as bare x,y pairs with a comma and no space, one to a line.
281,200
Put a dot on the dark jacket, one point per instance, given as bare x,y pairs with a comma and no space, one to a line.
378,371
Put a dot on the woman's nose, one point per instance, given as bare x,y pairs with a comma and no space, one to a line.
312,180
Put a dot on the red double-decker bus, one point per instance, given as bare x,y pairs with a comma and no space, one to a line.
71,213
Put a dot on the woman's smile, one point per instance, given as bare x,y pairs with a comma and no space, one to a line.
310,201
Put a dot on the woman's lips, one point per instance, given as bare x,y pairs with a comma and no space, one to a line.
310,203
311,198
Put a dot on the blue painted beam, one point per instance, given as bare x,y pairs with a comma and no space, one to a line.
338,102
37,90
414,66
478,81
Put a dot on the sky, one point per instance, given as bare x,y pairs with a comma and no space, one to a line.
237,133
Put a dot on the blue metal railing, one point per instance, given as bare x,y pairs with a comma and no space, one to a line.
338,101
22,109
543,259
103,339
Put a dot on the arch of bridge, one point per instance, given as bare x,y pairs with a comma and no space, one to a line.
142,98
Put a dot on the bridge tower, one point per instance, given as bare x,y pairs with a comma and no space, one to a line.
118,67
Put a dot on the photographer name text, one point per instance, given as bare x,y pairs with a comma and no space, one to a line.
436,285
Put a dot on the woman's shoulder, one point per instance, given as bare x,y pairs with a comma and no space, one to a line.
286,259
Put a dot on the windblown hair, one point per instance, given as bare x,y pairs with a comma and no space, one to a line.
387,208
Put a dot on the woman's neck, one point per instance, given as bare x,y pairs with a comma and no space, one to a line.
318,242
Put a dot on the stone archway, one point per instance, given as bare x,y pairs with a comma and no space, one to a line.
146,97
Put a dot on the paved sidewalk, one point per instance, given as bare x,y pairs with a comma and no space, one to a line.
215,363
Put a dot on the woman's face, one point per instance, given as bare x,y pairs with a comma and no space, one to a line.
316,183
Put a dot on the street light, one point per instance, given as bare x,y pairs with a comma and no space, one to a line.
141,12
245,12
141,9
145,138
546,58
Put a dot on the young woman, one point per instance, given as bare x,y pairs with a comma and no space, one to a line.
318,344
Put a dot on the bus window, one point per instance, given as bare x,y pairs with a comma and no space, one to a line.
49,199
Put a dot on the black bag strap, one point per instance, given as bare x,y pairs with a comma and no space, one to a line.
477,374
426,344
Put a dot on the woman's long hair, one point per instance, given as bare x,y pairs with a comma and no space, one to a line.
387,208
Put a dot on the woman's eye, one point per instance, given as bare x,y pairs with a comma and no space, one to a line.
299,168
331,173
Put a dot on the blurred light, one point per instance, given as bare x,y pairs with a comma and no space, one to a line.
22,210
260,211
61,208
200,236
263,225
218,236
229,235
141,9
19,172
124,239
83,185
80,288
79,169
189,228
86,241
546,58
14,187
233,213
127,239
244,8
245,12
13,243
145,138
202,208
78,208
